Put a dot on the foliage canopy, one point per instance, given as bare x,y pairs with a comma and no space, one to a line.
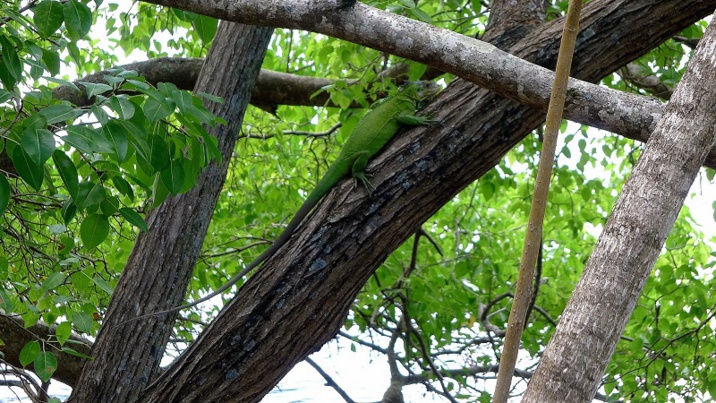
76,181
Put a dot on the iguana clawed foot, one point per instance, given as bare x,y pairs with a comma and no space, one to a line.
364,178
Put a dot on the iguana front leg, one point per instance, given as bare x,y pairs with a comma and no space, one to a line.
358,169
408,119
361,158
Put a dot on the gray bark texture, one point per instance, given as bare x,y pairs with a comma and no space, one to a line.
572,366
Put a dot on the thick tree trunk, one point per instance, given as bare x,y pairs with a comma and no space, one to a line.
127,354
586,337
300,297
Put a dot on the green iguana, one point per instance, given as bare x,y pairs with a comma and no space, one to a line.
369,136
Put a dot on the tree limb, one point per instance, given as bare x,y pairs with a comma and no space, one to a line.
15,336
472,59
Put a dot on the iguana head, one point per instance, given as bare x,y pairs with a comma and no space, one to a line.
420,90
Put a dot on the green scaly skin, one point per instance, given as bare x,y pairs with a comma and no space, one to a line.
371,133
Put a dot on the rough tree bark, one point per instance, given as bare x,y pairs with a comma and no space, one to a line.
300,298
127,354
614,277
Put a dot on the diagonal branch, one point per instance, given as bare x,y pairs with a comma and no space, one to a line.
469,58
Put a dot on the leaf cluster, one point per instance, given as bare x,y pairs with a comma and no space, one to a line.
76,180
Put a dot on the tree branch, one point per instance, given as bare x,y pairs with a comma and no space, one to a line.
479,62
15,336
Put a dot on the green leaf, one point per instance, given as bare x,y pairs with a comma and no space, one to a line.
36,71
30,172
4,193
34,121
184,15
416,70
29,352
10,58
211,144
201,113
100,114
31,317
94,230
67,244
173,176
82,321
63,331
159,152
81,281
134,218
89,194
123,107
7,79
114,80
47,17
205,27
45,365
76,353
86,140
159,191
123,186
103,284
4,266
69,210
38,144
95,88
59,113
183,99
197,154
712,388
136,131
211,97
52,60
421,15
62,82
191,172
78,18
4,97
53,281
109,206
136,84
6,303
67,171
115,134
488,189
155,110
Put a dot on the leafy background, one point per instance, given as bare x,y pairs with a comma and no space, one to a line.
77,180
